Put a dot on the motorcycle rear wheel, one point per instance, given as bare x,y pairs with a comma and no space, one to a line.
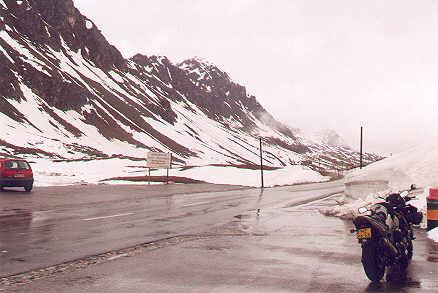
372,262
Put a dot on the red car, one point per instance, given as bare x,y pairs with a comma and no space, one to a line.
16,173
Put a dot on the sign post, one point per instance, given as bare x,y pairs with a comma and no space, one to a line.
157,160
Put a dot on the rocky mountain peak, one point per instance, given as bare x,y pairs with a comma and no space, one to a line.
202,70
54,22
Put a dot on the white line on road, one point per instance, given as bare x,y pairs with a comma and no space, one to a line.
106,217
117,256
196,204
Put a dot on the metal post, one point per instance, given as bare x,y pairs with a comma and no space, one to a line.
261,162
149,175
361,142
170,166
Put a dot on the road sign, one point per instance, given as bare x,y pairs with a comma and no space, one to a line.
159,160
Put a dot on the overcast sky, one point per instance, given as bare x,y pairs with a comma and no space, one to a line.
313,64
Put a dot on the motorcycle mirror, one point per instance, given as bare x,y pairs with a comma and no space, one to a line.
413,186
404,193
362,210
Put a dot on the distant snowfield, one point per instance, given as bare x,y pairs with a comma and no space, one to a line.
417,166
53,173
237,176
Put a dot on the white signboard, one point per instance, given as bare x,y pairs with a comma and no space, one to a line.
159,160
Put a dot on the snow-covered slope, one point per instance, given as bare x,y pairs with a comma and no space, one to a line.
66,93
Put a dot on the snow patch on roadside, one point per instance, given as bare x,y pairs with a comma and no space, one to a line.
348,209
54,173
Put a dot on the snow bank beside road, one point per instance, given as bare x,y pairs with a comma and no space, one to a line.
433,234
417,166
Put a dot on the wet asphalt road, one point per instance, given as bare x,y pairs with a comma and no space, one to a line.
243,240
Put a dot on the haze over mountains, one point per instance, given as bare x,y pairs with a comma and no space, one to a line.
66,93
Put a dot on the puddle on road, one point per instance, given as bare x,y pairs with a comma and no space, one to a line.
13,218
18,234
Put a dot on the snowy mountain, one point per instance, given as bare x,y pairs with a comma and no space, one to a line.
66,93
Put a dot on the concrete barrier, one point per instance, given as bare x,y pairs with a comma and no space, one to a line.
432,209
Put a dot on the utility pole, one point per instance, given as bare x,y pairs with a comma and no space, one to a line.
361,143
261,162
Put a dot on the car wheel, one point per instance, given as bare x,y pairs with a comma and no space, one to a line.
28,188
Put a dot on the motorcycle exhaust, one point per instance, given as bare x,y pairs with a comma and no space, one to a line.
390,248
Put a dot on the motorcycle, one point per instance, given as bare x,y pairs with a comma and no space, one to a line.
385,233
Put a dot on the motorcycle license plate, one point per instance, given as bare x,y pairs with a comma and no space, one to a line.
364,233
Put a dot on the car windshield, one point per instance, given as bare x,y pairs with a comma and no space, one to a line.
16,165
